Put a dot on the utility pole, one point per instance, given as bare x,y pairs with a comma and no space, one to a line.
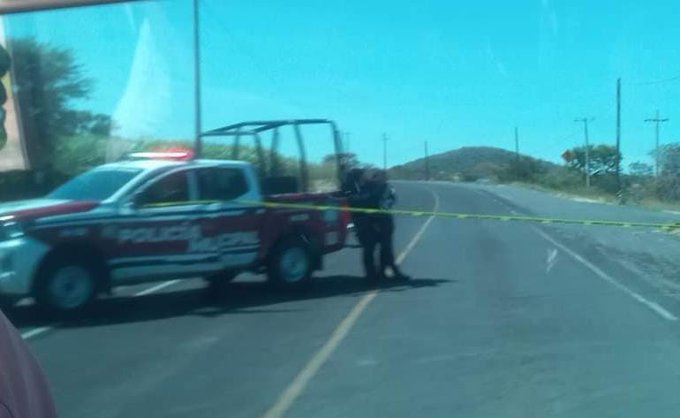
517,168
517,145
385,139
618,134
198,146
657,121
427,163
585,131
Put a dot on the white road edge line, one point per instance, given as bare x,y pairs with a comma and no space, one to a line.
658,309
300,382
655,307
41,330
35,332
156,288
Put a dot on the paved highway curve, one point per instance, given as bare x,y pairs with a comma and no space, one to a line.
501,319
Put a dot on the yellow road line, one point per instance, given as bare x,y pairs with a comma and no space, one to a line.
300,382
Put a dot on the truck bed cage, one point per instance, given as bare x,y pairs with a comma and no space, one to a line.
255,128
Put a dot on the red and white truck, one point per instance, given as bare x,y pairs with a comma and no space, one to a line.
161,216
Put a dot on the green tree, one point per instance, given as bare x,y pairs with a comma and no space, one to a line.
669,159
48,80
348,158
640,169
602,159
668,184
523,169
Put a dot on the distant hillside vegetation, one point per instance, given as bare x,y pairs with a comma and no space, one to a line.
474,163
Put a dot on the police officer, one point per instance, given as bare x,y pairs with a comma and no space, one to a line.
358,197
368,189
383,222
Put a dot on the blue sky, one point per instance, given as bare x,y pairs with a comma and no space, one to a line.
453,73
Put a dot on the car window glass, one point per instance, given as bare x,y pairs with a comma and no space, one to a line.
96,184
221,184
172,189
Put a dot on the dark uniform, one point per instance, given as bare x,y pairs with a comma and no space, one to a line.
373,229
384,224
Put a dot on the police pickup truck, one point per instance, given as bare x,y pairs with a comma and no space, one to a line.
158,217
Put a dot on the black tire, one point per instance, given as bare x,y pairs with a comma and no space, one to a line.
67,284
291,264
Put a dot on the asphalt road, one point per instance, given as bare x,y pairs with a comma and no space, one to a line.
501,319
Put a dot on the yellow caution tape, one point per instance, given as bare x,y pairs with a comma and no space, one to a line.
471,216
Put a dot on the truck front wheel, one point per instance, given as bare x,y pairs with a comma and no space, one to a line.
291,264
67,284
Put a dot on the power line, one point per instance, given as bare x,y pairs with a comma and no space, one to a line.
602,116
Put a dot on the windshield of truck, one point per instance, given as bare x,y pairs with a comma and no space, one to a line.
98,184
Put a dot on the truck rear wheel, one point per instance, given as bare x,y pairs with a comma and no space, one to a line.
67,284
291,264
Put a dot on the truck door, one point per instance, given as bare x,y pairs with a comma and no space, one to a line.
159,235
231,217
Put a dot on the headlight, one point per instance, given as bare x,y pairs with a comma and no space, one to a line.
12,230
